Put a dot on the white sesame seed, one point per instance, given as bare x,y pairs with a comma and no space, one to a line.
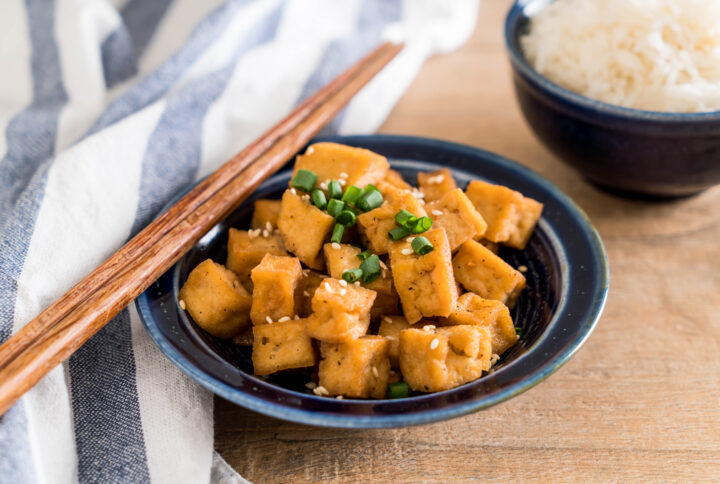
293,191
320,391
265,233
335,245
494,358
343,291
339,397
324,185
417,194
297,316
434,180
311,385
391,338
375,372
429,327
409,240
437,213
387,319
182,305
327,287
283,319
356,283
268,226
306,198
343,282
382,264
343,175
434,343
523,268
342,182
268,319
310,150
306,294
306,272
406,251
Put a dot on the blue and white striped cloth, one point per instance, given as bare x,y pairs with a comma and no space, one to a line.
107,109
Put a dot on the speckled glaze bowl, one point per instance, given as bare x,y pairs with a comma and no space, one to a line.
632,152
567,282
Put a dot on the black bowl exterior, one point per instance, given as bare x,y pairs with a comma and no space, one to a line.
626,150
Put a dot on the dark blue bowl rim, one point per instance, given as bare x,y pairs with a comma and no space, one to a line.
582,322
518,61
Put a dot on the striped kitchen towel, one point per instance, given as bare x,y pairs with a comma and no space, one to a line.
107,109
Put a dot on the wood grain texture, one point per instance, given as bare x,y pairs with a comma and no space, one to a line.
640,402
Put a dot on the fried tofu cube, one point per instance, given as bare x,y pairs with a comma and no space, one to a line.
375,224
281,346
246,250
433,361
308,284
341,311
330,161
395,179
390,327
215,299
494,315
457,215
304,228
342,257
480,271
358,369
425,283
436,184
265,212
510,216
276,280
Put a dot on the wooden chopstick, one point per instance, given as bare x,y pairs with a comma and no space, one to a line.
171,217
95,308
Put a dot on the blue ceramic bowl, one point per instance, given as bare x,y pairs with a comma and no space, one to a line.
567,283
633,152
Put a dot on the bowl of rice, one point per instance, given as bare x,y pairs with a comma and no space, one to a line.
625,91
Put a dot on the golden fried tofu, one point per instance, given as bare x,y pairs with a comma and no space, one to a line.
425,283
304,228
308,284
437,360
510,216
281,346
390,327
341,311
330,161
276,280
342,257
247,248
454,212
375,224
494,315
359,368
480,271
215,299
395,179
265,214
436,184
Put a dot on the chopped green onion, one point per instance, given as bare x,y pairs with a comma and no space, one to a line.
304,180
421,225
364,255
337,233
398,390
346,218
352,194
352,209
334,207
334,189
399,233
370,200
370,268
370,188
405,219
422,245
318,198
352,275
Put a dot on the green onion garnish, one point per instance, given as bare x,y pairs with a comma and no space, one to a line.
334,189
370,188
346,218
337,233
304,180
352,194
399,233
352,275
334,207
422,245
364,255
421,225
405,219
369,200
318,198
398,390
370,268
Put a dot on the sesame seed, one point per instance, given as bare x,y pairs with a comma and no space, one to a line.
265,233
306,198
339,397
494,358
268,319
437,213
327,287
434,343
342,182
406,251
311,385
343,291
387,319
356,283
323,185
297,316
268,226
343,175
335,245
417,194
283,319
310,150
320,391
434,180
375,372
409,240
343,282
429,327
293,191
382,264
306,272
306,294
182,305
523,268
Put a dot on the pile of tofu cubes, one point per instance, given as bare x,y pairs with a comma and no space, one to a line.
434,321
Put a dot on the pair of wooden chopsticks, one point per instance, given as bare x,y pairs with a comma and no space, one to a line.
65,325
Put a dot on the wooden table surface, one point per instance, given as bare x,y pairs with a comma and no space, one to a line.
639,402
